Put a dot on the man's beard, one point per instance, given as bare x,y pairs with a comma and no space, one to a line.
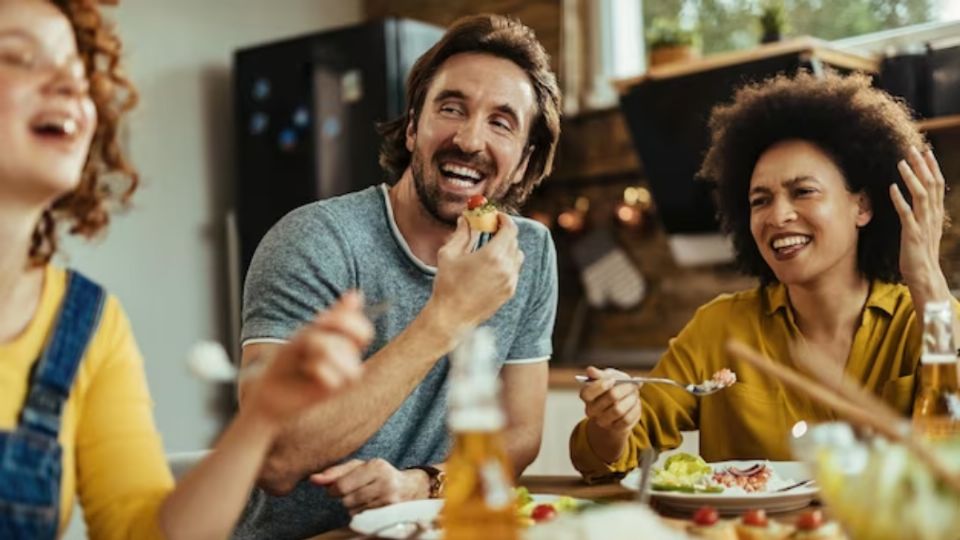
430,195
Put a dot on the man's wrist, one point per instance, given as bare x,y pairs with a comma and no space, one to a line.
431,481
442,325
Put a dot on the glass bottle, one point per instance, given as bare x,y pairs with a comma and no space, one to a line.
936,411
478,498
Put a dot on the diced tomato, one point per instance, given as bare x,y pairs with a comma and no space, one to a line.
706,515
756,518
810,521
476,201
543,512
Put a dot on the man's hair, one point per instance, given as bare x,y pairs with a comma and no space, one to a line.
865,131
107,179
503,37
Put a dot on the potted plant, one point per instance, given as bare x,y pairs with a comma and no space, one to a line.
669,42
773,20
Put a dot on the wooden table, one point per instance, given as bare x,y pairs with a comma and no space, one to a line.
571,486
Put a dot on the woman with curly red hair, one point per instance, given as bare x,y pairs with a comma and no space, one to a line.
75,413
811,174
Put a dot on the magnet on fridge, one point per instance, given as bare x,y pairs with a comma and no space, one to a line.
351,86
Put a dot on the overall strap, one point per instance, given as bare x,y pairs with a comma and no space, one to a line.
53,375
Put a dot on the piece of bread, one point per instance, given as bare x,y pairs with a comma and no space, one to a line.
773,531
482,219
827,531
718,531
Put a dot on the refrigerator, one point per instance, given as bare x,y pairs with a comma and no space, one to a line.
306,110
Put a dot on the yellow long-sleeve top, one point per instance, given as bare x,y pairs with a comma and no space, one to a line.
752,419
112,454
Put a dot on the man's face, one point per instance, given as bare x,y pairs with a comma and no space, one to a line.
472,133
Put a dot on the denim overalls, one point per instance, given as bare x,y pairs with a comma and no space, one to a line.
30,462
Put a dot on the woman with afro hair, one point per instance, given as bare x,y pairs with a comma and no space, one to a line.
835,203
75,414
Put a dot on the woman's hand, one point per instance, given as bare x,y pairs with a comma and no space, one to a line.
322,358
612,411
613,407
921,223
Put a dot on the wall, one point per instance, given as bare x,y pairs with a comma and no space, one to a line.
543,16
596,160
165,258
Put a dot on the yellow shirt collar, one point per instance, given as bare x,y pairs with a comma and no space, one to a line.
883,296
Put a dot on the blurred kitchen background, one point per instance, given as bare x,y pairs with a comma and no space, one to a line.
251,108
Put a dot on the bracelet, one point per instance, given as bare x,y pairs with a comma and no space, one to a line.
438,479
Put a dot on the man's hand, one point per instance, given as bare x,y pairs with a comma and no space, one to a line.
369,484
321,358
612,410
471,286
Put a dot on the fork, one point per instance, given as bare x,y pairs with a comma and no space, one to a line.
647,457
695,389
209,361
796,485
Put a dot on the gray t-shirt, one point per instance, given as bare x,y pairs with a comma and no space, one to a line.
316,253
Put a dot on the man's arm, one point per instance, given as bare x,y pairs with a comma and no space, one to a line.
332,430
525,395
373,483
468,289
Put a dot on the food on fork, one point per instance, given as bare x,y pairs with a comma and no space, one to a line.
481,214
707,524
720,379
754,525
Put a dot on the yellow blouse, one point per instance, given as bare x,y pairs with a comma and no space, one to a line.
753,418
112,454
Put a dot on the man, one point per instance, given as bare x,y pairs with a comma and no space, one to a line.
483,119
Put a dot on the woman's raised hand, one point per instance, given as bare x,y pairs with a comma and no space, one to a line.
922,222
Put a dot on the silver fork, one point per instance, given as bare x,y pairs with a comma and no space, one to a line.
647,457
802,483
696,389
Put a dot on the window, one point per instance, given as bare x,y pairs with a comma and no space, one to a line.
724,25
602,41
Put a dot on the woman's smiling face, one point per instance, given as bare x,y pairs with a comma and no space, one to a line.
47,118
803,218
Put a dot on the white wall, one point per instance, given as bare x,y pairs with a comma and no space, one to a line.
165,259
564,411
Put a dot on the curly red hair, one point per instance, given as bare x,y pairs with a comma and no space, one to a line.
108,180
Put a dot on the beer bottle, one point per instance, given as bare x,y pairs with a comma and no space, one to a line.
936,411
478,498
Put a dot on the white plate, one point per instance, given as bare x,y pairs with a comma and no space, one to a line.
735,503
371,521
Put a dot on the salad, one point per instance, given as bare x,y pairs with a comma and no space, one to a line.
529,512
688,473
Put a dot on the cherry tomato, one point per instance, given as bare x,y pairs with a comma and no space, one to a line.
756,518
543,512
810,521
476,201
706,515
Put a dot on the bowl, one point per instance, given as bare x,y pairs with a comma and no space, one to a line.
879,490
